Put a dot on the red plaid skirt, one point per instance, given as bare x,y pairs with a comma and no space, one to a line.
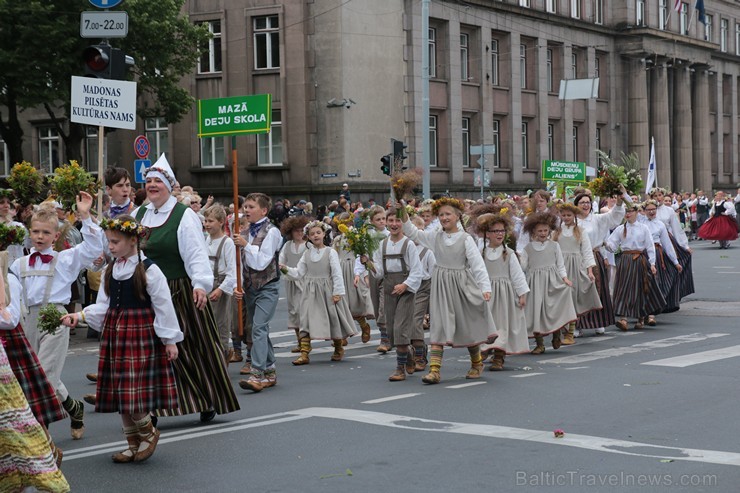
40,394
134,375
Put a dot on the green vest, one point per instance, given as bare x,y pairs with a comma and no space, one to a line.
162,247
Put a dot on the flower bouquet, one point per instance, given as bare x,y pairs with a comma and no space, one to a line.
11,235
362,240
27,182
50,318
404,183
69,180
612,176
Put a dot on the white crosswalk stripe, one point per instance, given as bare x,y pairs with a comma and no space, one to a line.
697,358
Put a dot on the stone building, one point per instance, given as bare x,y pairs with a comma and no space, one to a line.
345,77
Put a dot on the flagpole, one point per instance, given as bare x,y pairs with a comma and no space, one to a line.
691,19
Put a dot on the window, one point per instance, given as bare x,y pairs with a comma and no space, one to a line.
640,13
270,145
575,143
524,3
4,158
433,140
597,68
598,138
723,28
158,135
551,7
464,62
662,14
496,140
598,11
575,9
466,142
574,65
432,52
551,141
212,153
49,158
708,28
684,18
525,145
523,65
549,70
91,148
210,58
266,42
737,38
494,62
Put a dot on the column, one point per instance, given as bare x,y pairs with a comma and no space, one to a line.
515,111
660,119
638,140
454,121
735,161
702,139
566,126
590,125
542,102
682,135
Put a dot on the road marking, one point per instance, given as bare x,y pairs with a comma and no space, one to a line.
577,368
723,267
464,385
525,375
728,272
635,348
391,398
599,444
697,358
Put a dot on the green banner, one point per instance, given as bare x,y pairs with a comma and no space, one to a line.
563,171
234,116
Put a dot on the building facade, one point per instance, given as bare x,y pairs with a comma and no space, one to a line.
345,78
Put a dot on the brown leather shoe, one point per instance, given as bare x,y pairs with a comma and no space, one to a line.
128,455
236,356
474,372
432,377
621,324
365,328
149,441
301,360
270,379
411,363
253,383
89,398
338,352
539,349
397,376
384,346
651,321
93,377
556,342
246,369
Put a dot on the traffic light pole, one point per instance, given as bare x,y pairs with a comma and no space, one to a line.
393,169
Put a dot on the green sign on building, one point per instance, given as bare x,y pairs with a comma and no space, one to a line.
563,171
234,116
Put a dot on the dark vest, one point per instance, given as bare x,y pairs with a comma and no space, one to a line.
719,209
162,246
258,278
122,292
701,209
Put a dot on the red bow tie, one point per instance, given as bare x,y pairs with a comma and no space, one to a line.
44,258
121,261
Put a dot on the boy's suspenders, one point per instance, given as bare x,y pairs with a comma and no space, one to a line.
26,271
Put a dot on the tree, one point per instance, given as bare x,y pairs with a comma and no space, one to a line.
41,48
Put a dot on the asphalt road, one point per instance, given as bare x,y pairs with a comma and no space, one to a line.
649,410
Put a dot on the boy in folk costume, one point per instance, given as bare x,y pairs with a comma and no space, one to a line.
118,188
46,277
397,263
262,286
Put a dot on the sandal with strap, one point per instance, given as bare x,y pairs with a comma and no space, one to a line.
474,372
128,454
432,377
539,349
148,442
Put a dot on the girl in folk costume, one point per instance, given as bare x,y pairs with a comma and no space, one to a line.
636,292
549,303
598,227
325,313
290,254
666,262
721,225
139,328
508,287
357,287
579,264
461,289
538,201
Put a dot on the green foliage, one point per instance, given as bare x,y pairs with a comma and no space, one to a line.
70,179
611,175
11,235
50,318
27,183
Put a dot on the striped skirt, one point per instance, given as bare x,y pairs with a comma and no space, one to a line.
134,375
668,281
200,368
605,316
40,394
686,277
636,292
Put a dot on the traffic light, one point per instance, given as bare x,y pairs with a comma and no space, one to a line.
399,153
105,62
386,166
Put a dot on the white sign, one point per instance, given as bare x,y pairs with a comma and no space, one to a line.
483,150
103,24
110,103
579,89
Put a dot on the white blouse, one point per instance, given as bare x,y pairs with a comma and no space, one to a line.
540,246
729,207
413,281
165,319
313,254
669,217
14,307
516,274
427,262
638,238
587,253
659,234
597,226
226,263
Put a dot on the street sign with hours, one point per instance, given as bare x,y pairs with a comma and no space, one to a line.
563,171
141,146
103,24
105,4
234,116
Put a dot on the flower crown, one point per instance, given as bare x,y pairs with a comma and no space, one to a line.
6,193
649,202
163,172
455,203
128,227
316,224
567,206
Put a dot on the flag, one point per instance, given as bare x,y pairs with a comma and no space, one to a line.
651,179
677,5
699,5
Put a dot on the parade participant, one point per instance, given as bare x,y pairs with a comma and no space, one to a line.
666,262
636,291
118,188
46,277
222,255
460,289
579,264
721,225
357,287
702,209
325,313
508,287
540,202
242,230
549,302
136,316
262,286
421,300
290,254
6,217
177,246
396,261
598,228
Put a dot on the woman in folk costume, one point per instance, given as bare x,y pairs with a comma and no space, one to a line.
461,289
636,291
508,287
598,227
680,241
666,262
357,286
722,225
325,313
579,264
177,246
290,253
549,303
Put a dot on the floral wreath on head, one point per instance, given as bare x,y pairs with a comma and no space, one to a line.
7,193
164,173
657,190
485,221
129,227
567,206
449,201
649,202
316,224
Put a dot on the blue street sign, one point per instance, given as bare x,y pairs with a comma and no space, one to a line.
140,167
105,4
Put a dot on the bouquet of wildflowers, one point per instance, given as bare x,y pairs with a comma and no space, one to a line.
11,235
404,183
362,240
27,182
69,180
50,318
611,176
